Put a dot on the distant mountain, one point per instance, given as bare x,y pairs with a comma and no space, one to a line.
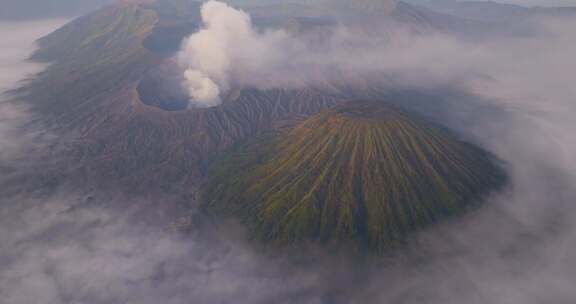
39,9
491,11
524,3
372,6
362,171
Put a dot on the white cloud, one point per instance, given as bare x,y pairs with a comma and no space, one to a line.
17,43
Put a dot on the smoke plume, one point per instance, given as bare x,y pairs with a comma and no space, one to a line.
228,47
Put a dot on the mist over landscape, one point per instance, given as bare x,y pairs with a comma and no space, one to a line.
110,134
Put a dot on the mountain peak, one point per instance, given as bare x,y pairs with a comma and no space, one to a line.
361,172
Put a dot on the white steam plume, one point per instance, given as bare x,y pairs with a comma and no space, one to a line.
226,45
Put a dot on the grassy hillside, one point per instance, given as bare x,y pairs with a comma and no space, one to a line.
361,171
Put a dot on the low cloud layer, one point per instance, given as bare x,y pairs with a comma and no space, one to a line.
65,246
16,45
75,249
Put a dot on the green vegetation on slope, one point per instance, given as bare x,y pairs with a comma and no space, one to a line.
362,171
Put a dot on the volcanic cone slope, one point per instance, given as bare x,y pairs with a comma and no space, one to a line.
361,172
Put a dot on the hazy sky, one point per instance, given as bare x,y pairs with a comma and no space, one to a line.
15,48
518,2
541,2
31,9
34,9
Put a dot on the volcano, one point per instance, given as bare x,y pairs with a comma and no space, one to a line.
107,90
362,171
293,163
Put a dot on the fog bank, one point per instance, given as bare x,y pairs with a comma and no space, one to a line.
64,246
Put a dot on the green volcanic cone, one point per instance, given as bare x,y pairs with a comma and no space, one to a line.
360,172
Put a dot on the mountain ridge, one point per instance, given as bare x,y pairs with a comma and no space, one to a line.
362,171
89,95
